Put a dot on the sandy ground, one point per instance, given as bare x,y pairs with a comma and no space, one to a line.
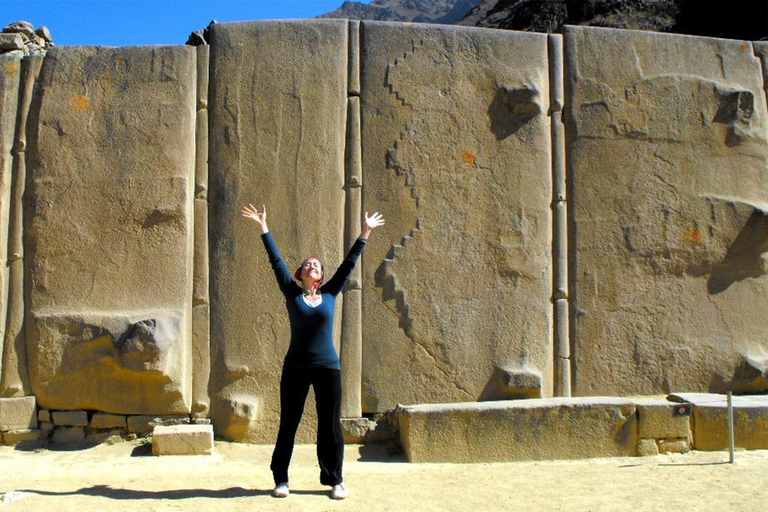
125,476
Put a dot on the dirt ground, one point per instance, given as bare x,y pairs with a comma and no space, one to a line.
125,476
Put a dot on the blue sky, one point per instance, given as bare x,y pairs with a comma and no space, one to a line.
140,22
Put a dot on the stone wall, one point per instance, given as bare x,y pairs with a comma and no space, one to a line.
566,215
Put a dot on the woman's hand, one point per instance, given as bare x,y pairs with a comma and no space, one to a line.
250,212
371,223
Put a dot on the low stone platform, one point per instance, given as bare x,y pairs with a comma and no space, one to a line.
182,440
710,420
513,430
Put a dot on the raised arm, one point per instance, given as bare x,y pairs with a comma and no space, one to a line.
334,285
282,274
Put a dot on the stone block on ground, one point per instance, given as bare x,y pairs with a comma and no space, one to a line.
515,430
182,440
18,413
710,420
656,419
17,436
70,418
104,421
355,429
68,435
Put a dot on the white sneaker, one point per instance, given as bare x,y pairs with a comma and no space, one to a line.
339,492
281,490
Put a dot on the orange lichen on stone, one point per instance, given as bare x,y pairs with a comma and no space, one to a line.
80,103
468,158
743,47
693,236
11,66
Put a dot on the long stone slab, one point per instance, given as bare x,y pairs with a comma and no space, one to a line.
110,199
456,155
667,154
710,420
516,430
10,67
277,104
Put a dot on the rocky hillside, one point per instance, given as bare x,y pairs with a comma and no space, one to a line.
423,11
736,19
733,19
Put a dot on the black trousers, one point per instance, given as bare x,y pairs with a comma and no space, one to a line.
294,387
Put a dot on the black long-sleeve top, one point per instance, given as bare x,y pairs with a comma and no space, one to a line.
311,327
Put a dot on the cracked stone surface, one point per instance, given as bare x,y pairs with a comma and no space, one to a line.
669,194
108,227
277,125
456,152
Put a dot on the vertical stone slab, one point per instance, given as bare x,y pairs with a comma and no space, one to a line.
456,152
351,323
109,229
667,160
201,134
201,358
353,82
15,378
562,359
10,67
278,96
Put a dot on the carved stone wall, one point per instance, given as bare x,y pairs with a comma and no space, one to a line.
456,152
667,158
109,229
579,214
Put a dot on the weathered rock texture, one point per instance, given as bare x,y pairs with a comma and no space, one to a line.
109,229
278,98
669,194
21,39
560,428
10,67
456,152
648,268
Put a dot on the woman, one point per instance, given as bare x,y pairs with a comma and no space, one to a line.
311,358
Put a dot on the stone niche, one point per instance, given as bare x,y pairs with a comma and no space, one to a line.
667,159
456,154
109,229
278,96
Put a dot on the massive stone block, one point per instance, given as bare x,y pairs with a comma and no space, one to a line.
278,97
667,160
538,429
109,229
456,155
10,67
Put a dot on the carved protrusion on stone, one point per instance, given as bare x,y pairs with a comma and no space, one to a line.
240,418
391,289
145,346
201,360
512,108
512,383
735,109
558,157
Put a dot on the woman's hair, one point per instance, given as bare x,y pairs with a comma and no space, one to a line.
297,274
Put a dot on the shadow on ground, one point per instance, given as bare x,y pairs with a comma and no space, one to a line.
105,491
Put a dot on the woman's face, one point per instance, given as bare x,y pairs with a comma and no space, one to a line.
312,270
